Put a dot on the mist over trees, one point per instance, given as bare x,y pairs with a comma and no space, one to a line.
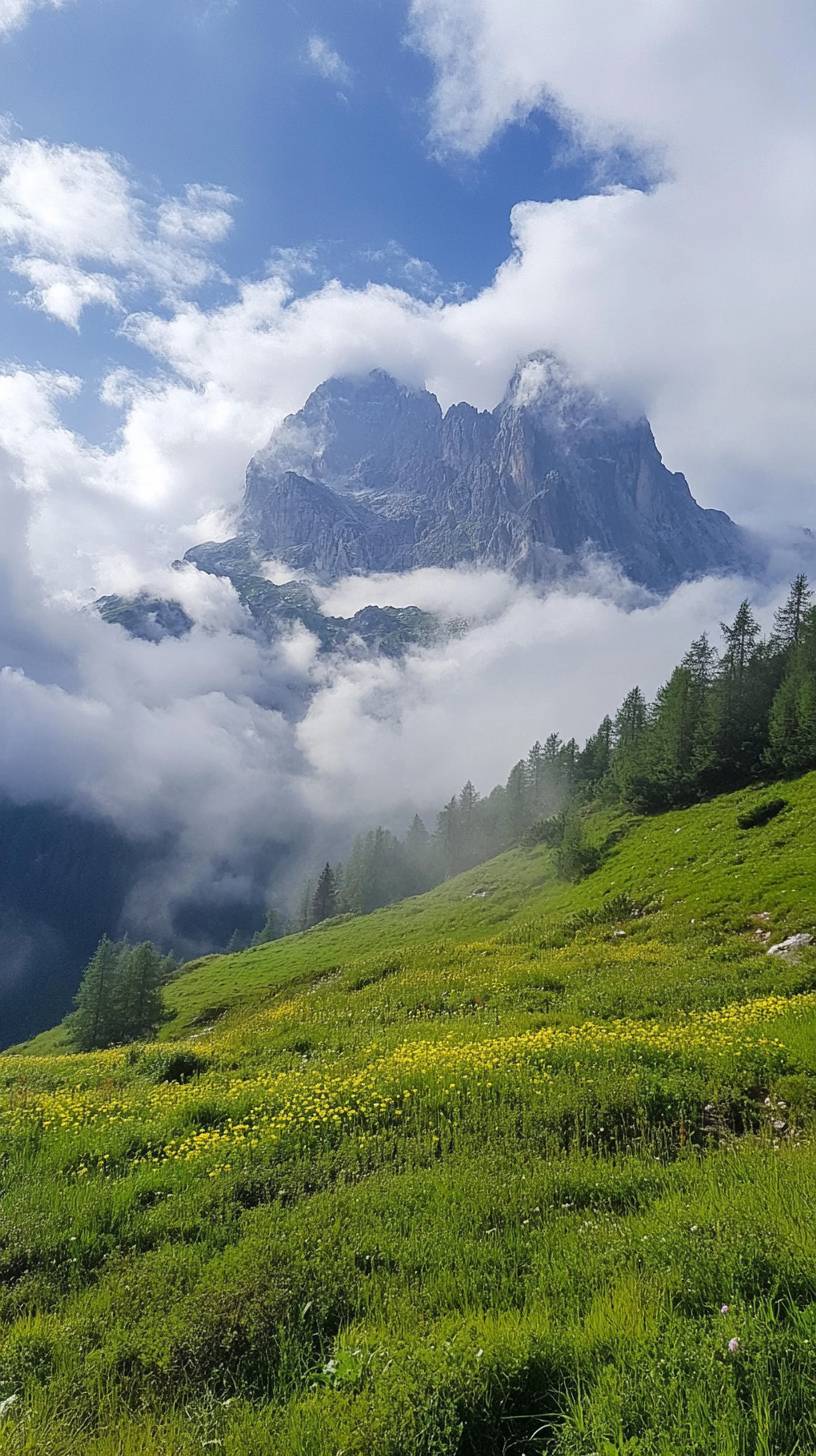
725,717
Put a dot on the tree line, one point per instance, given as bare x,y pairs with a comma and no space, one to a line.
725,717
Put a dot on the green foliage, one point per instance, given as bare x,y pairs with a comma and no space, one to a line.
324,901
575,856
761,813
246,1237
120,997
717,722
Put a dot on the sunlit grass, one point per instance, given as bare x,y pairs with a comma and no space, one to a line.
523,1173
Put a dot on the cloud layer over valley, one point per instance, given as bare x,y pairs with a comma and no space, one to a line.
245,761
688,294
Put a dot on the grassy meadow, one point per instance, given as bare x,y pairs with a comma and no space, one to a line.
514,1167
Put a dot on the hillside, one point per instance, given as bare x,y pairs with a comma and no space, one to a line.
517,1166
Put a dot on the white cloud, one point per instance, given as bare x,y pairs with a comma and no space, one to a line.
698,297
14,13
450,594
322,57
79,231
382,737
63,291
227,746
695,301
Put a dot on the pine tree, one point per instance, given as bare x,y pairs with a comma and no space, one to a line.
95,1016
324,901
448,837
304,917
790,618
140,1004
740,702
792,724
516,809
628,729
273,928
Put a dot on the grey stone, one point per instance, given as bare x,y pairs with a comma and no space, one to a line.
371,476
792,945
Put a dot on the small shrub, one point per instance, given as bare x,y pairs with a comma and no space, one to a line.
761,813
615,907
545,831
575,857
174,1066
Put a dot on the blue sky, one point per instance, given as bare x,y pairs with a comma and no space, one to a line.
630,186
223,93
159,159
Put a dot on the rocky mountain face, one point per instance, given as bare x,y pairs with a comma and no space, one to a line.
273,608
371,475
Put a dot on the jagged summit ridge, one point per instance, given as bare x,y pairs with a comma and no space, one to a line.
371,475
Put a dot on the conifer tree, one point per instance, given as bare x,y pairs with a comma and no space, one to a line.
448,836
273,928
324,902
139,999
304,918
516,813
628,728
792,724
790,618
536,778
95,1015
740,702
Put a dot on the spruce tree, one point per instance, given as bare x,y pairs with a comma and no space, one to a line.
516,811
324,902
790,618
448,837
95,1020
304,917
792,724
740,701
140,999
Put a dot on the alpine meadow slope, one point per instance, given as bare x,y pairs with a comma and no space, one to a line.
517,1165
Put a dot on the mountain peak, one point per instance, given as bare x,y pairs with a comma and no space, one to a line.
556,470
543,385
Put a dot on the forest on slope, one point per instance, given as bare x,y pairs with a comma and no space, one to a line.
722,718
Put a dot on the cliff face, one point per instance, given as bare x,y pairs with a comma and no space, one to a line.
371,476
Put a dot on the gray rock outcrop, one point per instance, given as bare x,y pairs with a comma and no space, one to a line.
371,476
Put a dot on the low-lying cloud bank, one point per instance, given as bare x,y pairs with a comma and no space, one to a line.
232,752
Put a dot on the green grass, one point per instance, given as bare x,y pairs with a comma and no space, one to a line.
472,1175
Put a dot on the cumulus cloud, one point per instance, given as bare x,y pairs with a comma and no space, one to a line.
14,13
77,229
695,296
322,57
